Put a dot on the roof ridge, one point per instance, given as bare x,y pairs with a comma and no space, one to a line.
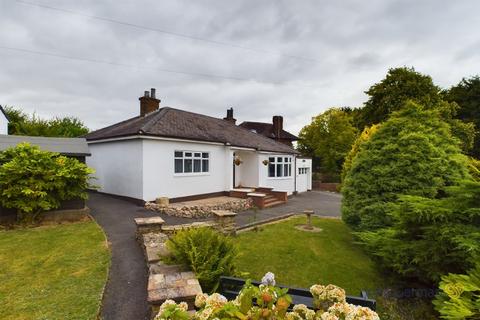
156,115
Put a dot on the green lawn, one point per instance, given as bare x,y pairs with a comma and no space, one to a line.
55,272
301,259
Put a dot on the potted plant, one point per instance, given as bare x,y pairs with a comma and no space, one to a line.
237,161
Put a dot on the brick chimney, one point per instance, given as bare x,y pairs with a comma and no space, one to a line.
148,103
277,126
230,117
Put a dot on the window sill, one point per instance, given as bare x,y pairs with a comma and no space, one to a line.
191,174
279,178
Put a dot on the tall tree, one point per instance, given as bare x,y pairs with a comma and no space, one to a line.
412,153
467,95
329,136
390,94
26,125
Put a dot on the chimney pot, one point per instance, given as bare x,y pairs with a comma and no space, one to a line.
152,92
146,94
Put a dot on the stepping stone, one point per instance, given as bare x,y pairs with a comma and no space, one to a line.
178,286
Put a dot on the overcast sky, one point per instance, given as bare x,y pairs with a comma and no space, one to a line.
291,58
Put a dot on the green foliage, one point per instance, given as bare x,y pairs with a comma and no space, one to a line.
329,136
207,252
399,86
412,153
430,237
460,296
467,95
32,180
25,125
366,134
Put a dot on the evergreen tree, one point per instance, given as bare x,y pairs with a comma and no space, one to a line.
412,153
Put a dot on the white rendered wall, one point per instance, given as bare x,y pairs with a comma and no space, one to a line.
118,167
160,180
278,184
3,124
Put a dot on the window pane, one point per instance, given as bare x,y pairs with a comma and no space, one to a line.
205,155
188,165
289,169
178,165
279,170
188,154
178,154
197,165
285,170
204,165
272,159
271,170
279,159
197,154
286,159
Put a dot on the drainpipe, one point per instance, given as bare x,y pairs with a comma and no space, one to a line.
295,175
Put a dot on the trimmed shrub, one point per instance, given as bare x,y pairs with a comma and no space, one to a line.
412,153
207,252
33,180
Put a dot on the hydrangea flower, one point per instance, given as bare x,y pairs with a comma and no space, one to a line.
268,279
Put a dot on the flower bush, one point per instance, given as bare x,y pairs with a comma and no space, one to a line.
268,302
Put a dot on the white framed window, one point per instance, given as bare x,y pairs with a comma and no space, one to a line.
191,162
302,170
279,167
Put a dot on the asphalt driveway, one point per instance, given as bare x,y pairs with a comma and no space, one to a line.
125,295
321,202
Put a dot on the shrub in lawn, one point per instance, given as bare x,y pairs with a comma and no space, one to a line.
33,180
207,252
412,153
460,296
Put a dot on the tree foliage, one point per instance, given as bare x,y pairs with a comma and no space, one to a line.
329,136
390,94
207,252
430,237
467,95
32,180
412,153
459,297
366,134
23,124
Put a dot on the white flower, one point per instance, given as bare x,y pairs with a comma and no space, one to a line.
268,279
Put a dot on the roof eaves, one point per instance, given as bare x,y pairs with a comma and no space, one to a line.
4,113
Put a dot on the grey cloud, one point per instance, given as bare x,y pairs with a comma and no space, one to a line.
352,42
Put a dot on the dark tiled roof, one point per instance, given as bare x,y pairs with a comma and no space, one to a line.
65,146
174,123
266,129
